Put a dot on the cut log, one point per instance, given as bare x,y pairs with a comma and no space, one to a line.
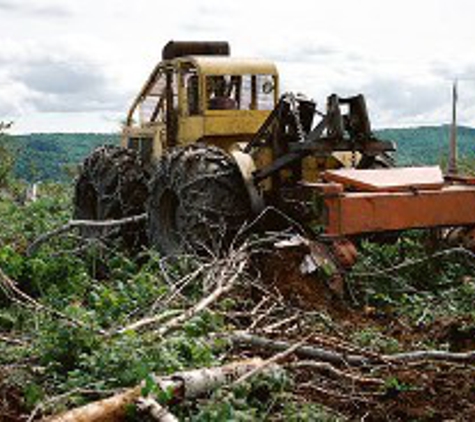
184,385
112,409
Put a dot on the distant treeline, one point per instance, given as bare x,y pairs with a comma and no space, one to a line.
55,156
428,145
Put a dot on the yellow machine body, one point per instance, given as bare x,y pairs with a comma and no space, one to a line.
174,109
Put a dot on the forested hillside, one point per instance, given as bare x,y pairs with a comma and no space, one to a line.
54,156
428,145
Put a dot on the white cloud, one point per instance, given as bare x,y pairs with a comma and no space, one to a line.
38,80
88,58
15,99
45,8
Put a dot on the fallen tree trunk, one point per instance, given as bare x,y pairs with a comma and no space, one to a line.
306,351
324,355
111,409
184,385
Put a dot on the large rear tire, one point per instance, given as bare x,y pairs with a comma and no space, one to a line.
198,201
112,185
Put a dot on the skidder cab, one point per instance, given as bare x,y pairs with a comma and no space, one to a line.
199,93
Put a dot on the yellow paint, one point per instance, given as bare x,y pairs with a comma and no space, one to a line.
225,65
233,122
223,128
190,129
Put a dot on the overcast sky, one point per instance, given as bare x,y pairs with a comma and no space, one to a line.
75,65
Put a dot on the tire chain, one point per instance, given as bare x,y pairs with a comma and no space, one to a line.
119,182
206,185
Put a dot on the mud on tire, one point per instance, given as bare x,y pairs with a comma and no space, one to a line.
198,201
112,185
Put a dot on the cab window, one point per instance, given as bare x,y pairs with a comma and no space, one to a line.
152,106
265,86
240,92
222,92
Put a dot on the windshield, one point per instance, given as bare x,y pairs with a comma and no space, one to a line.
240,92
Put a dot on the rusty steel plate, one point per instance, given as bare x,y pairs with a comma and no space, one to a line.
365,212
388,180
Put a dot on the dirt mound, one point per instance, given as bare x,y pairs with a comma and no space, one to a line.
426,391
458,333
11,403
281,270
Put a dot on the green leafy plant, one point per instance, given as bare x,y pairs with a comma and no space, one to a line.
395,385
375,340
250,401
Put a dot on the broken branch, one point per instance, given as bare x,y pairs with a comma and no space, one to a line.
434,355
224,285
279,357
73,224
155,410
14,293
241,338
329,370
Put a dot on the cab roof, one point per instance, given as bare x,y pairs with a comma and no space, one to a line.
225,65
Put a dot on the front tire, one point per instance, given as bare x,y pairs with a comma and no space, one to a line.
198,201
